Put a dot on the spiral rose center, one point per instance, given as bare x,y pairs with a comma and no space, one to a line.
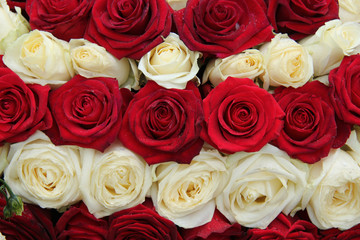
9,108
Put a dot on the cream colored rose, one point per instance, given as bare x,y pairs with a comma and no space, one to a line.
333,192
262,185
2,237
349,10
170,64
91,60
248,64
44,174
4,157
287,63
39,57
185,193
331,43
114,180
352,145
177,4
12,25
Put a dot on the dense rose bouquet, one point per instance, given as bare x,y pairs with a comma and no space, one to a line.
179,119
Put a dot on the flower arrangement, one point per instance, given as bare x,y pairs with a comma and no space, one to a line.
197,119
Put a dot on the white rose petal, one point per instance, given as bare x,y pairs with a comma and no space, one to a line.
185,193
170,64
44,174
349,10
262,185
248,64
287,63
333,192
2,237
12,25
177,4
114,180
91,60
4,157
39,57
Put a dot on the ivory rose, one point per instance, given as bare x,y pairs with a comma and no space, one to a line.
349,10
170,64
177,4
286,62
12,25
4,157
185,193
39,57
247,64
114,180
42,173
91,60
262,185
332,196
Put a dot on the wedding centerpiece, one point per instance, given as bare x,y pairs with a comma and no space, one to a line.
198,119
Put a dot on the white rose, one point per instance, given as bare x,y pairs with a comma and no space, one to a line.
333,192
349,10
287,63
352,145
331,43
12,25
248,64
262,185
177,4
114,180
170,64
185,193
39,57
91,60
44,174
4,157
2,237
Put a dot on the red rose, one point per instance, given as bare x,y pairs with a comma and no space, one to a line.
222,27
300,18
218,229
141,222
286,227
310,127
78,223
350,234
240,116
164,124
34,223
17,3
345,89
88,112
129,28
64,19
23,108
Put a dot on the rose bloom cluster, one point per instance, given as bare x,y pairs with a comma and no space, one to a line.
197,119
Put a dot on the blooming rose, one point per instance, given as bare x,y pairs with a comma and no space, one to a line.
218,228
39,57
349,11
91,60
185,193
247,64
345,89
129,28
300,18
309,125
332,196
141,222
88,112
78,223
23,108
285,227
261,186
4,157
331,43
42,173
286,62
221,27
12,26
114,180
64,19
170,64
34,224
240,116
177,4
164,124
